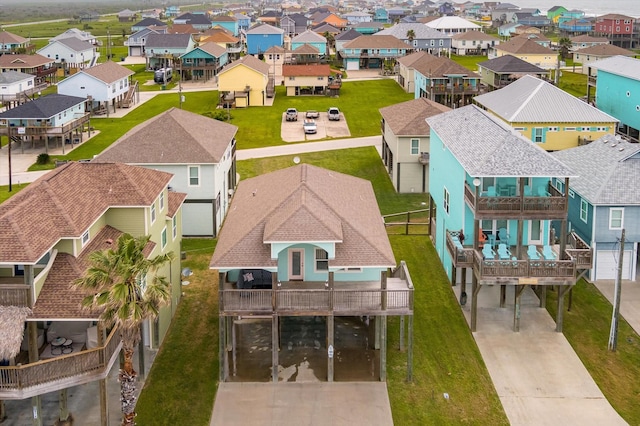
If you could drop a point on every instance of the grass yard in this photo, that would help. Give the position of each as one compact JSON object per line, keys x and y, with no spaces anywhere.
{"x":586,"y":327}
{"x":15,"y":188}
{"x":573,"y":83}
{"x":183,"y":378}
{"x":469,"y":62}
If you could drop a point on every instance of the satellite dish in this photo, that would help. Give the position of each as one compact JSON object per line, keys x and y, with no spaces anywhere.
{"x":296,"y":159}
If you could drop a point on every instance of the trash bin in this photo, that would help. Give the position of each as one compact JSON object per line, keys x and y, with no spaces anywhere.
{"x":163,"y":87}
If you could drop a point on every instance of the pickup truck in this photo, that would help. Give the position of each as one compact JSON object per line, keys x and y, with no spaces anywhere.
{"x":291,"y":114}
{"x":333,"y":114}
{"x":309,"y":126}
{"x":312,"y":114}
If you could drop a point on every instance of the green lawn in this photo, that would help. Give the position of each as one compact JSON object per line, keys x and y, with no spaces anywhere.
{"x":573,"y":83}
{"x":183,"y":377}
{"x":4,"y":190}
{"x":586,"y":327}
{"x":469,"y":62}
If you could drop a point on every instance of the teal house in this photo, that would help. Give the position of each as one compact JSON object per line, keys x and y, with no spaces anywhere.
{"x":381,"y":15}
{"x":493,"y":186}
{"x":229,"y":23}
{"x":371,"y":51}
{"x":618,"y":91}
{"x":311,"y":38}
{"x":204,"y":61}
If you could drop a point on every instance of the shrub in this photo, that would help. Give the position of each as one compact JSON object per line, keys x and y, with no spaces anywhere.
{"x":43,"y":158}
{"x":219,"y":114}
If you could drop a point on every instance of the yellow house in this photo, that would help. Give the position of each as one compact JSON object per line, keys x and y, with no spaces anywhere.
{"x":244,"y":82}
{"x":528,"y":51}
{"x":546,"y":114}
{"x":306,"y":79}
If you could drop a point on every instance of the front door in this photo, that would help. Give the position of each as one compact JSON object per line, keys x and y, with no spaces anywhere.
{"x":296,"y":264}
{"x":535,"y":232}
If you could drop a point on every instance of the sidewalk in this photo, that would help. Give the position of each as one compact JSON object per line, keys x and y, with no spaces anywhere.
{"x":629,"y":299}
{"x":538,"y":377}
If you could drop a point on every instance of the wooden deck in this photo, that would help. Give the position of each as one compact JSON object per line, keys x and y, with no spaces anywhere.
{"x":305,"y":298}
{"x":61,"y":372}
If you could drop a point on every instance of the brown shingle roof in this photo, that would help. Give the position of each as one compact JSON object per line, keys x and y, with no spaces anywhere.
{"x":409,"y":118}
{"x":175,"y":200}
{"x":24,"y":61}
{"x":173,"y":137}
{"x":522,"y":45}
{"x":376,"y":42}
{"x":8,"y":38}
{"x":182,"y":29}
{"x":409,"y":60}
{"x":66,"y":201}
{"x":306,"y":49}
{"x":213,"y":48}
{"x":303,"y":203}
{"x":109,"y":72}
{"x":251,"y":62}
{"x":440,"y":66}
{"x":604,"y":50}
{"x":219,"y":37}
{"x":306,"y":70}
{"x":58,"y":299}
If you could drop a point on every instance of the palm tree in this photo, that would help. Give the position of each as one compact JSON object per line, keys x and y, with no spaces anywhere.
{"x":565,"y":45}
{"x":411,"y":35}
{"x":124,"y":286}
{"x":330,"y":41}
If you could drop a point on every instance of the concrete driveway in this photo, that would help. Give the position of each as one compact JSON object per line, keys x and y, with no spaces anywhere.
{"x":309,"y":404}
{"x":539,"y":378}
{"x":629,"y":299}
{"x":292,"y":131}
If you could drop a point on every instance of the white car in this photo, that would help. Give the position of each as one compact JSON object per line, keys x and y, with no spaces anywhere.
{"x":309,"y":126}
{"x":333,"y":114}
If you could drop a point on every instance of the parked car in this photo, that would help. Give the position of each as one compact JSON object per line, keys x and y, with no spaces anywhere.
{"x":312,"y":114}
{"x":292,"y":114}
{"x":310,"y":126}
{"x":334,"y":114}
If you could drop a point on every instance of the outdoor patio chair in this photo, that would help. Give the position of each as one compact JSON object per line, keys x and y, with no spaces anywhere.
{"x":527,"y":191}
{"x":491,"y":191}
{"x":503,"y":235}
{"x":542,"y":192}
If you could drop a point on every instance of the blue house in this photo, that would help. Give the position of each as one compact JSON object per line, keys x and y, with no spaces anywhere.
{"x":171,"y":11}
{"x":445,"y":81}
{"x":310,"y":249}
{"x":424,"y":38}
{"x":263,"y":36}
{"x":603,"y":200}
{"x":311,"y":38}
{"x":617,"y":90}
{"x":244,"y":22}
{"x":493,"y":186}
{"x":580,"y":25}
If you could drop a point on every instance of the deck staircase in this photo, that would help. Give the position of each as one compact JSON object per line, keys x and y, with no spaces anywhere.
{"x":271,"y":86}
{"x":129,"y":98}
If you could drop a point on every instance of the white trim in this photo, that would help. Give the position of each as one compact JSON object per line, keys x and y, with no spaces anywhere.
{"x":585,"y":219}
{"x":152,"y":212}
{"x":174,"y":226}
{"x":316,"y":259}
{"x":289,"y":263}
{"x":199,"y":177}
{"x":85,"y":238}
{"x":163,"y":244}
{"x":621,"y":209}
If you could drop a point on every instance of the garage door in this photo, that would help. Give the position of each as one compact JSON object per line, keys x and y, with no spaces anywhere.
{"x":353,"y":66}
{"x":607,"y":264}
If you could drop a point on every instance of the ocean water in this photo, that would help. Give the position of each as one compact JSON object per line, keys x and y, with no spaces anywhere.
{"x":590,"y":7}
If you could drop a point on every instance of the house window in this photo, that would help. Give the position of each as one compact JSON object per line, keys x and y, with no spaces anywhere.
{"x":445,"y":200}
{"x":174,"y":226}
{"x":538,"y":134}
{"x":163,"y":237}
{"x":322,"y":260}
{"x":153,"y":212}
{"x":571,"y":193}
{"x":432,"y":43}
{"x":569,"y":129}
{"x":85,"y":238}
{"x":616,"y":218}
{"x":415,"y":146}
{"x":194,"y":176}
{"x":441,"y":43}
{"x":161,"y":201}
{"x":349,"y":270}
{"x":520,"y":129}
{"x":291,"y":78}
{"x":320,"y":78}
{"x":584,"y":210}
{"x":559,"y":185}
{"x":552,"y":129}
{"x":464,"y":42}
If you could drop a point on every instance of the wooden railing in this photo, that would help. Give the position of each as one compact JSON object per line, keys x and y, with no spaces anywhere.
{"x":461,"y":257}
{"x":529,"y":270}
{"x":441,"y":89}
{"x":420,"y":217}
{"x":14,"y":295}
{"x":33,"y":128}
{"x":514,"y":207}
{"x":24,"y":381}
{"x":579,"y":251}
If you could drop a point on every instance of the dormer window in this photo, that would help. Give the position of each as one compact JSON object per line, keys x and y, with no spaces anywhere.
{"x":85,"y":238}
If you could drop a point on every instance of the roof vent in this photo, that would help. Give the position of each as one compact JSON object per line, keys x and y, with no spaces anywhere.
{"x":613,"y":144}
{"x":621,"y":149}
{"x":108,"y":241}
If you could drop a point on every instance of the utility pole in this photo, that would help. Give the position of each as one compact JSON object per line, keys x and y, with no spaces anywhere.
{"x":613,"y":334}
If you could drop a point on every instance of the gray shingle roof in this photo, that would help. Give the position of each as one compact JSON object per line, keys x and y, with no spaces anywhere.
{"x":511,"y":64}
{"x":159,"y":41}
{"x":202,"y":140}
{"x":307,"y":204}
{"x":408,"y":118}
{"x":605,"y":50}
{"x":421,"y":32}
{"x":9,"y":77}
{"x":44,"y":107}
{"x":347,"y":35}
{"x":486,"y":146}
{"x":108,"y":72}
{"x":620,"y":65}
{"x":75,"y":44}
{"x":608,"y":171}
{"x":265,"y":29}
{"x":530,"y":99}
{"x":308,"y":37}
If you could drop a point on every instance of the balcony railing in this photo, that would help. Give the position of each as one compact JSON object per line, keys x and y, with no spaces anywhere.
{"x":519,"y":271}
{"x":317,"y":299}
{"x":461,"y":257}
{"x":61,"y":372}
{"x":579,"y":251}
{"x":441,"y":89}
{"x":14,"y":295}
{"x":34,"y":128}
{"x":553,"y":206}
